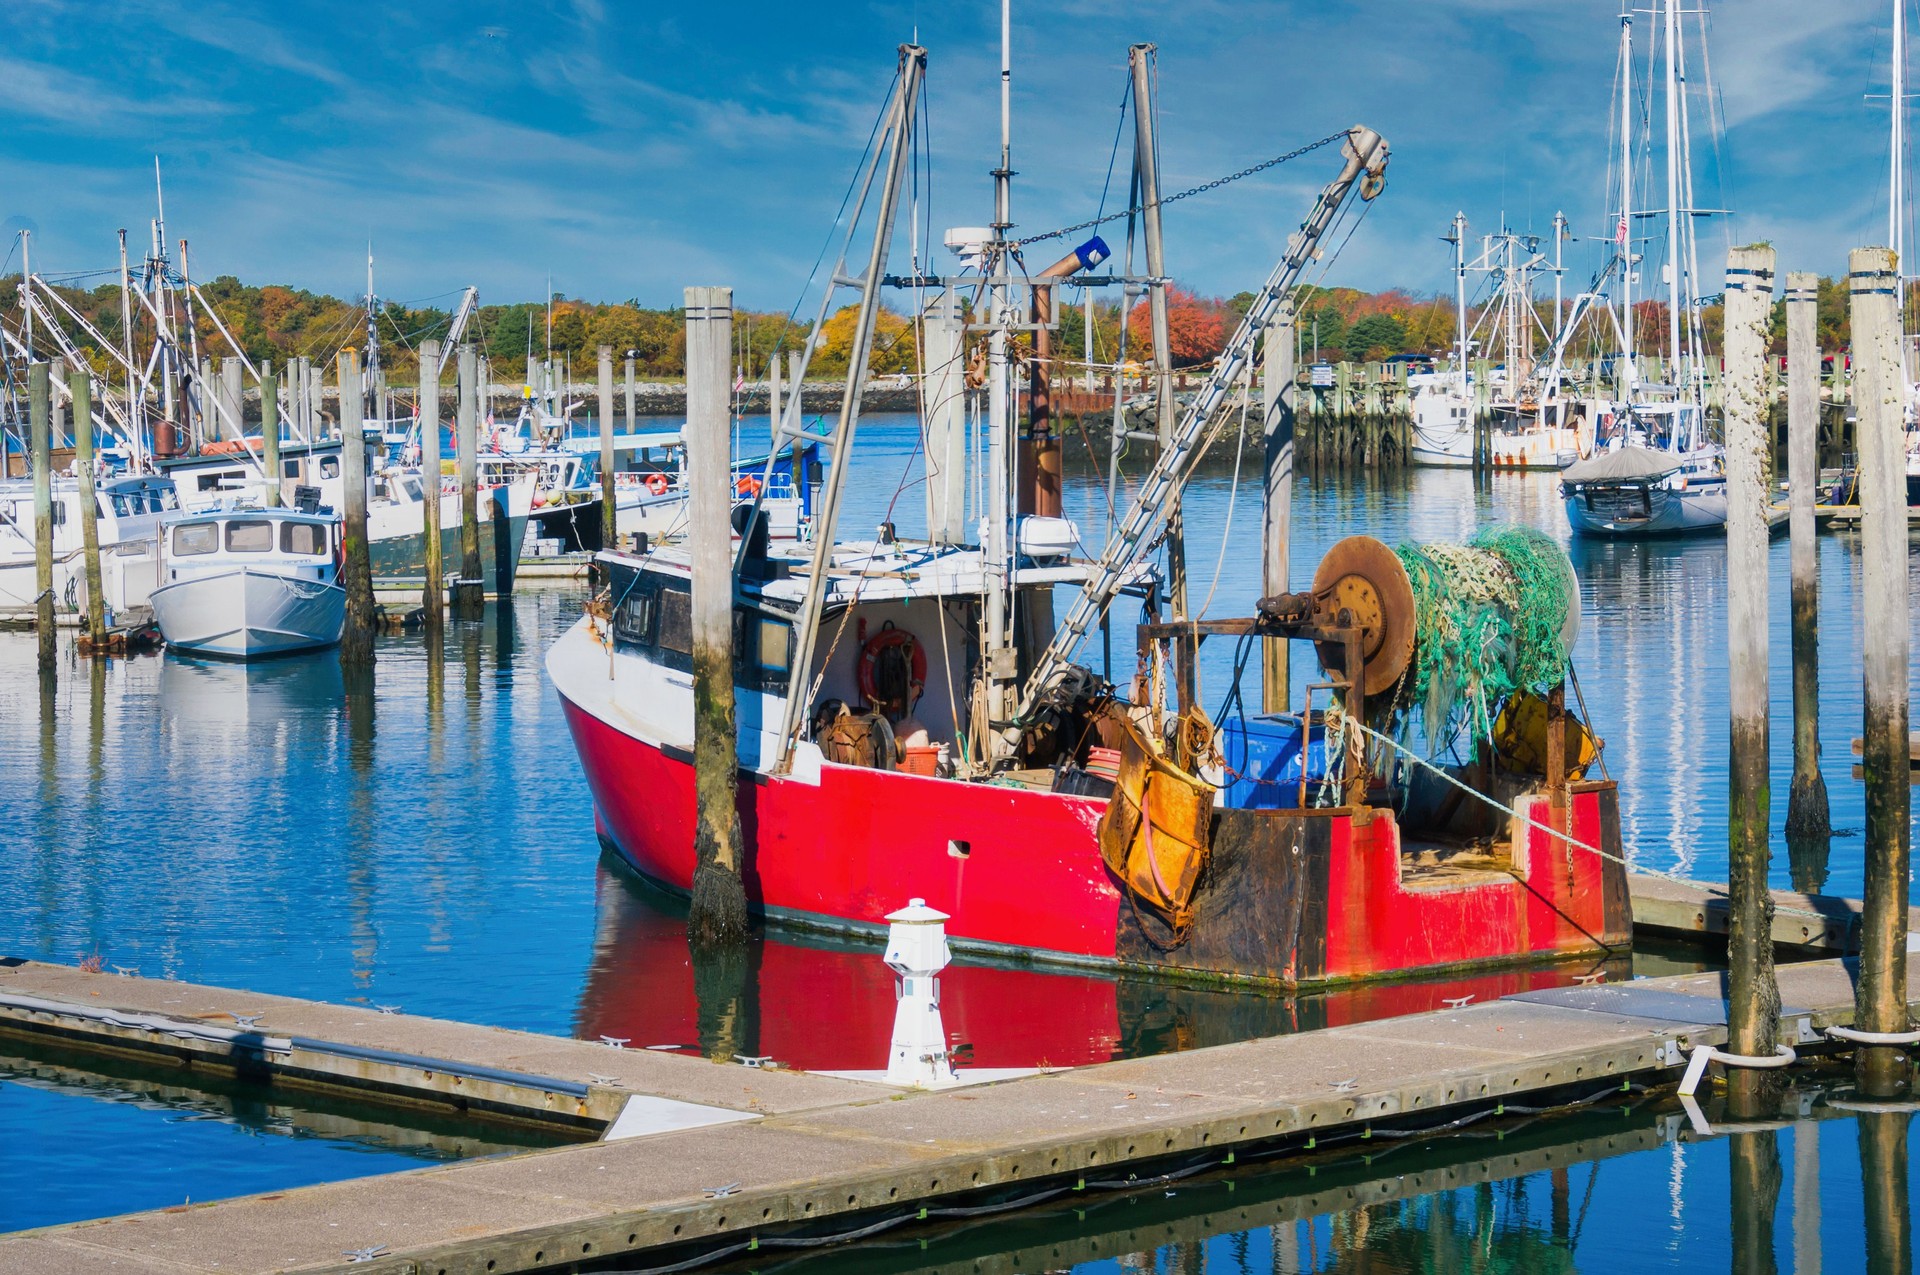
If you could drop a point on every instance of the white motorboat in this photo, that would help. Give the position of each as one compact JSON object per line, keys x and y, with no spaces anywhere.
{"x":250,"y":582}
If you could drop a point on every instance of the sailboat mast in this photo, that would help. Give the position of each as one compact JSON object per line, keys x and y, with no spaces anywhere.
{"x":1675,"y":153}
{"x":1000,"y":665}
{"x":1897,"y":185}
{"x":373,"y":344}
{"x":1624,"y":235}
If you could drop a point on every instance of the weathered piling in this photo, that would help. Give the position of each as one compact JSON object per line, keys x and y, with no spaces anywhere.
{"x":1808,"y":827}
{"x":1754,"y":1178}
{"x":946,"y":424}
{"x":609,"y":509}
{"x":1753,"y":995}
{"x":1882,"y":1138}
{"x":469,"y":595}
{"x":80,"y":385}
{"x":718,"y":915}
{"x":1277,"y":523}
{"x":433,"y":589}
{"x":631,"y":419}
{"x":270,"y":431}
{"x":356,"y":639}
{"x":39,"y":447}
{"x":1879,"y":383}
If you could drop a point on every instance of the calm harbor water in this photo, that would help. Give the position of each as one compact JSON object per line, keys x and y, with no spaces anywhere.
{"x":83,"y":1136}
{"x":426,"y":841}
{"x":1618,"y":1188}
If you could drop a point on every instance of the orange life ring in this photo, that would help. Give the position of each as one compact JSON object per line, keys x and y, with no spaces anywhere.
{"x":886,"y":639}
{"x":746,"y":485}
{"x":657,"y":483}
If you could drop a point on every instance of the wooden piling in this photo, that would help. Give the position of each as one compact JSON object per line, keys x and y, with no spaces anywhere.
{"x":1807,"y":810}
{"x":39,"y":447}
{"x":1879,"y":386}
{"x":469,"y":595}
{"x":1277,"y":386}
{"x":632,"y":425}
{"x":356,"y":639}
{"x":270,"y":431}
{"x":1754,"y":996}
{"x":609,"y":508}
{"x":946,"y":420}
{"x":80,"y":385}
{"x":433,"y":589}
{"x":718,"y":914}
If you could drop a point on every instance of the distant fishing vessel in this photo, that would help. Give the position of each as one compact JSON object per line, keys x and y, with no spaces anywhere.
{"x":249,"y":582}
{"x":1529,"y":426}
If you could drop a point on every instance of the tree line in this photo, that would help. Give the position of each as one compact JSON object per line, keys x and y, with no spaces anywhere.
{"x":276,"y":322}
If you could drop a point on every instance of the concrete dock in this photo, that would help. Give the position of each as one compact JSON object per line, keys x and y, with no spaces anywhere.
{"x":745,"y":1156}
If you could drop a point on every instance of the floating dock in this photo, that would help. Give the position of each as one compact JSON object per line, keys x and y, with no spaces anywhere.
{"x":698,"y":1156}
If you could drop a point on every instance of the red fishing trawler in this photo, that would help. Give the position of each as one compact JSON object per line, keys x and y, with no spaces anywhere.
{"x":912,"y":723}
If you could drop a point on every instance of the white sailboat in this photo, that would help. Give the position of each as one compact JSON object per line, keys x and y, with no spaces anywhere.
{"x":1654,"y":470}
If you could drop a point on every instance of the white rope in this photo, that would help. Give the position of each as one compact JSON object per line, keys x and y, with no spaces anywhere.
{"x":1552,"y":831}
{"x":1859,"y":1037}
{"x":1783,"y":1056}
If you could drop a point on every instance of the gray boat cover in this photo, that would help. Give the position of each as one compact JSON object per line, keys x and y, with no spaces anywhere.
{"x":1627,"y":465}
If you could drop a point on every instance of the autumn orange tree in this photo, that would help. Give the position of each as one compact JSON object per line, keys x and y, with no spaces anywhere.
{"x":1197,"y":327}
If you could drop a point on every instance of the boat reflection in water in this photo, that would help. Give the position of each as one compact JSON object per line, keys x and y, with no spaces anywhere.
{"x":818,"y":1003}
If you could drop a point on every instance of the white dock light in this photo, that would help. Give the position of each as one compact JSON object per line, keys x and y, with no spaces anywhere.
{"x":916,"y":952}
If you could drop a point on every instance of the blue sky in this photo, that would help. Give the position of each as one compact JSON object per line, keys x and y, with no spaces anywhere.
{"x":630,"y":149}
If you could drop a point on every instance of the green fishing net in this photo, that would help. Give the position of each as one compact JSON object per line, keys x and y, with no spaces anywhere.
{"x":1492,"y":616}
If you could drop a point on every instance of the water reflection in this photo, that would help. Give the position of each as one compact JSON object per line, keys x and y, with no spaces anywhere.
{"x":1624,"y":1186}
{"x":821,"y":1003}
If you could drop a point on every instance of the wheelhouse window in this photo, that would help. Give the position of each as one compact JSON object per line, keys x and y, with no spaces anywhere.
{"x":633,"y":621}
{"x":289,"y":469}
{"x":309,"y":538}
{"x":251,"y":535}
{"x":329,"y":466}
{"x":196,"y":538}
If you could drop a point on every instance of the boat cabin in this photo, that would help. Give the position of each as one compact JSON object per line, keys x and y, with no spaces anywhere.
{"x":286,"y":542}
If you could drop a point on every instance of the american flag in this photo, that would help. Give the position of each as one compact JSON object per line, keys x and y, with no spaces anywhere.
{"x":1620,"y":232}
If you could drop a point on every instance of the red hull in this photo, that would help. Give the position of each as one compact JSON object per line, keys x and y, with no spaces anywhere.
{"x":1019,"y":871}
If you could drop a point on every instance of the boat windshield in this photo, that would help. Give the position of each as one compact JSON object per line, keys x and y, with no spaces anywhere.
{"x":308,"y":538}
{"x":194,"y":538}
{"x":253,"y":535}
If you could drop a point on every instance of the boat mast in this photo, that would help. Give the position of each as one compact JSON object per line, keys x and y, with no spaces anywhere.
{"x":1897,"y":187}
{"x":1624,"y":234}
{"x":1146,"y":161}
{"x":1000,"y":663}
{"x":1675,"y":153}
{"x":1460,"y":298}
{"x":1559,"y":238}
{"x":373,"y":345}
{"x":136,"y":403}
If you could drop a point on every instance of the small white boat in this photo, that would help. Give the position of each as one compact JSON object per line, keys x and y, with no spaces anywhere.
{"x":250,"y":582}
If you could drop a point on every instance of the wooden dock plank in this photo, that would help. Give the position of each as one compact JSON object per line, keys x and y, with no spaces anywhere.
{"x":1818,"y":921}
{"x":822,"y":1160}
